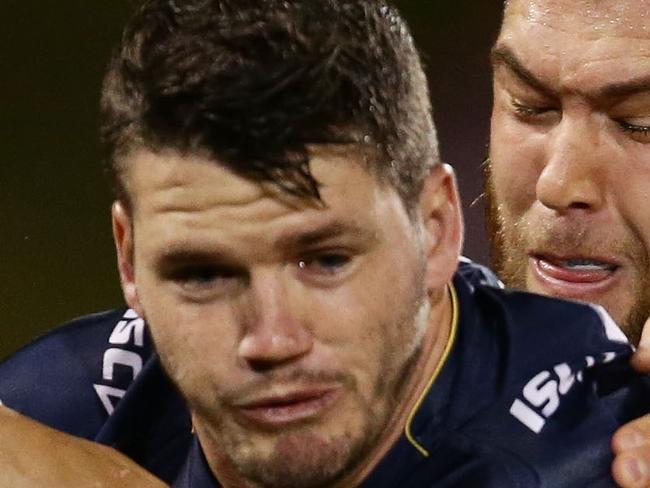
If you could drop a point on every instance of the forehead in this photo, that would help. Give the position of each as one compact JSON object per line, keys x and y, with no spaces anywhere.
{"x":590,"y":19}
{"x":195,"y":204}
{"x":580,"y":40}
{"x":171,"y":183}
{"x":598,"y":13}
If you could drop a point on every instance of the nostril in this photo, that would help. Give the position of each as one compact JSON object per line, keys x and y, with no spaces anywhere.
{"x":579,"y":206}
{"x":266,"y":365}
{"x":260,"y":365}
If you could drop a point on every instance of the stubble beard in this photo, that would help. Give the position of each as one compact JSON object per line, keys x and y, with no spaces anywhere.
{"x":303,"y":458}
{"x":510,"y":261}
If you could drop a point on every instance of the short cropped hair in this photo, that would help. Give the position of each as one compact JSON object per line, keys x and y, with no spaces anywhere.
{"x":254,"y":82}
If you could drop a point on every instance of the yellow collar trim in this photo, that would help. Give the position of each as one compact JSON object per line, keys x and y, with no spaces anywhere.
{"x":443,"y":360}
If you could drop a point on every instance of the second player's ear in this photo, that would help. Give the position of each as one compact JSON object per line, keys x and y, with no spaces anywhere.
{"x":123,"y":237}
{"x":443,"y":225}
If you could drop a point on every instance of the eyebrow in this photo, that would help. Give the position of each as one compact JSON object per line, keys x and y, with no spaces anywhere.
{"x":504,"y":56}
{"x":323,"y":233}
{"x":182,"y":253}
{"x":626,"y":88}
{"x":176,"y":255}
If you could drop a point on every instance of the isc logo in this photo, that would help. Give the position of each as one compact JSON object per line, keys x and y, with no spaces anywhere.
{"x":129,"y":332}
{"x":542,"y":395}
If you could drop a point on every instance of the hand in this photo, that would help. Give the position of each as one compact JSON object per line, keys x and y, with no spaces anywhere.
{"x":35,"y":456}
{"x":631,"y":443}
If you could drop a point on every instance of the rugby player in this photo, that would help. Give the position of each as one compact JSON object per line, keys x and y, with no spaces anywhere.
{"x":285,"y":226}
{"x":569,"y":166}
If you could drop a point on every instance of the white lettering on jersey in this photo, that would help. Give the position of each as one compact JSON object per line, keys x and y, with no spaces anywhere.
{"x":105,"y":392}
{"x":566,"y":376}
{"x":113,"y":357}
{"x":527,"y":416}
{"x":542,"y":392}
{"x":542,"y":395}
{"x":129,"y":331}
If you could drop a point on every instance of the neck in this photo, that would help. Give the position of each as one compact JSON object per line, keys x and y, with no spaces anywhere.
{"x":434,"y":344}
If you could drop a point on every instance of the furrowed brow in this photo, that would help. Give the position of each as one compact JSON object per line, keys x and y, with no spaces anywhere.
{"x":625,"y":88}
{"x":504,"y":56}
{"x":322,"y":234}
{"x":174,"y":256}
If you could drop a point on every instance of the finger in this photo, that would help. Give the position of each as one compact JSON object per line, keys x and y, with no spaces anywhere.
{"x":641,"y":358}
{"x":632,"y":468}
{"x":632,"y":435}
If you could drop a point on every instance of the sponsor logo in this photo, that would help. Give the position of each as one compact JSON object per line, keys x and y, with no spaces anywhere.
{"x":542,"y":395}
{"x":127,"y":336}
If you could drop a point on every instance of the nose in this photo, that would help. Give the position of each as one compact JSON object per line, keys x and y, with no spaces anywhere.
{"x":573,"y":173}
{"x":275,"y":331}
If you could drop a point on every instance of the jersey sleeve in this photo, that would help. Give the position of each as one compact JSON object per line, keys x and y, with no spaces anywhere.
{"x":72,"y":377}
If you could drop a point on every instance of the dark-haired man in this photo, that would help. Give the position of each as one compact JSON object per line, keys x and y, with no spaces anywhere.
{"x":284,"y":224}
{"x":569,"y":165}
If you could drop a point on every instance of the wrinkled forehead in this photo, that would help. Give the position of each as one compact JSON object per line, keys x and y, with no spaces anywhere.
{"x":578,"y":45}
{"x":622,"y":16}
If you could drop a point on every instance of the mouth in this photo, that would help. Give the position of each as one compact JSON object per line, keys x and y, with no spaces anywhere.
{"x":276,"y":411}
{"x":575,"y":276}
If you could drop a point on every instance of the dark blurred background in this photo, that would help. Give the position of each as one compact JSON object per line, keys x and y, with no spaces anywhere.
{"x":56,"y":247}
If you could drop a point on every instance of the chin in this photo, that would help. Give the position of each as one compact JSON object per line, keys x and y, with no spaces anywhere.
{"x":304,"y":459}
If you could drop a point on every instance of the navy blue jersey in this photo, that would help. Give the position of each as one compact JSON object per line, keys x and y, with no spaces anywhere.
{"x":528,"y":395}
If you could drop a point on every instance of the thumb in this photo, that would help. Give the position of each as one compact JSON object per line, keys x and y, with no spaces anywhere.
{"x":641,"y":358}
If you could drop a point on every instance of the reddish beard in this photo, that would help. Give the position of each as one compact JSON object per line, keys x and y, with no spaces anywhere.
{"x":509,"y":258}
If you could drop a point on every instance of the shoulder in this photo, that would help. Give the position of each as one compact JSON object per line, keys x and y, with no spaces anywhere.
{"x":477,"y":273}
{"x":533,"y":330}
{"x":69,"y":373}
{"x":561,"y":385}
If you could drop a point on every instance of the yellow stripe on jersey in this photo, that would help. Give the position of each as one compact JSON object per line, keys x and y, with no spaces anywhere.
{"x":441,"y":363}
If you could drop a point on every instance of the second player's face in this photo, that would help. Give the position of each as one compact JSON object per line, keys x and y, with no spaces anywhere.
{"x":570,"y":152}
{"x":288,"y":328}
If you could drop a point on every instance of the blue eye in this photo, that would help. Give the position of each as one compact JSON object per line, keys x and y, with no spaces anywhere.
{"x":203,"y":276}
{"x":326,"y":263}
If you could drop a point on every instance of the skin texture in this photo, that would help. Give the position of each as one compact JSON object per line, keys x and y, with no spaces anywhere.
{"x":570,"y":152}
{"x":569,"y":170}
{"x":57,"y":460}
{"x":292,"y":328}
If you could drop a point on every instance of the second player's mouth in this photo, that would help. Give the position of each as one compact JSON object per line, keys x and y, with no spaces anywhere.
{"x":575,"y":270}
{"x":574,"y":277}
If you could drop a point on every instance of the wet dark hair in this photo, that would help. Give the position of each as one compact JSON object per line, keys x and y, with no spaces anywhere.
{"x":253,"y":82}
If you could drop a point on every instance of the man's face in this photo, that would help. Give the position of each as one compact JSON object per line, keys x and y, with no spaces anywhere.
{"x":289,"y":328}
{"x":570,"y":152}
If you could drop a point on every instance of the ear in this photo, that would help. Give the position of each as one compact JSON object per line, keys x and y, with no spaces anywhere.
{"x":123,"y":237}
{"x":443,"y":225}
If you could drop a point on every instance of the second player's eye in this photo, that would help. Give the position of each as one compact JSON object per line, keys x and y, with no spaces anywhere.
{"x":639,"y":130}
{"x":530,"y":113}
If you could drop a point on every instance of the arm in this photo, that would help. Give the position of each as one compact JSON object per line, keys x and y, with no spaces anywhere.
{"x":631,"y":443}
{"x":35,"y":456}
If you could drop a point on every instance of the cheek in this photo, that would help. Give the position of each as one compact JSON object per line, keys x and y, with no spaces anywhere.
{"x":516,"y":161}
{"x":632,"y":195}
{"x":195,"y":343}
{"x":371,"y":320}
